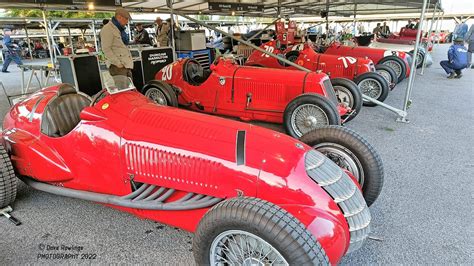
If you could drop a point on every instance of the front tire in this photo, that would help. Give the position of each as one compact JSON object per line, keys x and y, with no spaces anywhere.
{"x":307,"y":112}
{"x":161,"y":93}
{"x":352,"y":152}
{"x":397,"y":64}
{"x":373,"y":85}
{"x":348,"y":94}
{"x":388,"y":74}
{"x":241,"y":231}
{"x":7,"y":179}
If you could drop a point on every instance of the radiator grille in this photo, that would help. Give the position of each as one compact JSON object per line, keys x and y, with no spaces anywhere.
{"x":330,"y":91}
{"x":344,"y":192}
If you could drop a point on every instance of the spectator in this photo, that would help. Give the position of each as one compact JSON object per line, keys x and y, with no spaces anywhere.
{"x":469,"y":38}
{"x":377,"y":30}
{"x":10,"y":51}
{"x":172,"y":31}
{"x":162,"y":30}
{"x":385,"y":30}
{"x":417,"y":24}
{"x":457,"y":59}
{"x":114,"y":41}
{"x":410,"y":24}
{"x":460,"y":30}
{"x":142,"y":35}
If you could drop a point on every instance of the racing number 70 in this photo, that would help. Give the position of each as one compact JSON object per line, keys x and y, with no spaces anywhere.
{"x":269,"y":49}
{"x":346,"y":60}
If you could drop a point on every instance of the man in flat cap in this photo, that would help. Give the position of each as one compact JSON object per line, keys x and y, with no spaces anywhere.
{"x":114,"y":42}
{"x":9,"y":51}
{"x":162,"y":29}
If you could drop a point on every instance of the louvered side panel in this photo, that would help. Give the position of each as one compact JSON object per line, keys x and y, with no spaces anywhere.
{"x":261,"y":91}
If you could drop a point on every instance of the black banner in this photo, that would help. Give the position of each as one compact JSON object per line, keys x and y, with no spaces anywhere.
{"x":66,"y":2}
{"x":216,"y":6}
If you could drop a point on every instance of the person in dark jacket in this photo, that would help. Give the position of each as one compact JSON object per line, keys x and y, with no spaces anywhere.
{"x":469,"y":38}
{"x":10,"y":51}
{"x":457,"y":59}
{"x":142,"y":36}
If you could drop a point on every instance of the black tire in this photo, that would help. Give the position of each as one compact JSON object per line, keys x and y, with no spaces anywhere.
{"x":382,"y":89}
{"x":7,"y":179}
{"x":312,"y":100}
{"x":348,"y":93}
{"x":277,"y":227}
{"x":419,"y":59}
{"x":336,"y":142}
{"x":166,"y":90}
{"x":388,"y":74}
{"x":392,"y":59}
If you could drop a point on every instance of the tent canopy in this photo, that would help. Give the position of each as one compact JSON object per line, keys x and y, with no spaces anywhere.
{"x":253,"y":8}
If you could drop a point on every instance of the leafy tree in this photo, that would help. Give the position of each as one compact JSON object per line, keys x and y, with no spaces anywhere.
{"x":35,"y":13}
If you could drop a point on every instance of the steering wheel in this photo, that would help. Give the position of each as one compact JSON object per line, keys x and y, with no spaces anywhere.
{"x":99,"y":96}
{"x":193,"y":72}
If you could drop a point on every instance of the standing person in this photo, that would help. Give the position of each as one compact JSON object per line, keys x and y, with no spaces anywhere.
{"x":457,"y":59}
{"x":469,"y":38}
{"x":385,"y":30}
{"x":114,"y":41}
{"x":142,"y":35}
{"x":377,"y":30}
{"x":162,"y":30}
{"x":10,"y":51}
{"x":172,"y":32}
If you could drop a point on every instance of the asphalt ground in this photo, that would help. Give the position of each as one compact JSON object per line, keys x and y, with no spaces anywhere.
{"x":423,"y":216}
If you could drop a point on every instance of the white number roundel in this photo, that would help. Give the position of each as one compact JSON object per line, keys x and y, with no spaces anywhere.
{"x":167,"y":72}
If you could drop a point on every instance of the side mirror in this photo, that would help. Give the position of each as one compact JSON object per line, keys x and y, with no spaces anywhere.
{"x":90,"y":113}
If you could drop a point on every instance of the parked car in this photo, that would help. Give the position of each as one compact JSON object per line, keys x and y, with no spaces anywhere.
{"x":300,"y":101}
{"x":233,"y":184}
{"x":362,"y":71}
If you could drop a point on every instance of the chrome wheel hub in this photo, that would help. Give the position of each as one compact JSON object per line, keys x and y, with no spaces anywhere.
{"x":307,"y":117}
{"x":344,"y":96}
{"x":236,"y":247}
{"x":395,"y":66}
{"x":371,"y":88}
{"x":156,"y":95}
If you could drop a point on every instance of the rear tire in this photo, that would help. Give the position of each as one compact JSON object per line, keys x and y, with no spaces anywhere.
{"x":242,"y":223}
{"x":307,"y":112}
{"x":7,"y":179}
{"x":388,"y":74}
{"x":397,"y":64}
{"x":352,"y":152}
{"x":348,"y":94}
{"x":373,"y":85}
{"x":161,"y":93}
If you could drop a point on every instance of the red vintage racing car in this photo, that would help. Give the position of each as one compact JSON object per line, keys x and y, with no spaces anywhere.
{"x":233,"y":184}
{"x":398,"y":61}
{"x":361,"y":70}
{"x":301,"y":101}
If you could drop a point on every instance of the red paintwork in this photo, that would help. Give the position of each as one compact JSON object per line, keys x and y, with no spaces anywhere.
{"x":271,"y":90}
{"x":441,"y":37}
{"x":334,"y":66}
{"x":374,"y":54}
{"x":122,"y":134}
{"x":406,"y":36}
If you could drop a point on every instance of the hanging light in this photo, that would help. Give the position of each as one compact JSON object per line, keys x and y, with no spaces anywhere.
{"x":233,"y":13}
{"x":90,"y":6}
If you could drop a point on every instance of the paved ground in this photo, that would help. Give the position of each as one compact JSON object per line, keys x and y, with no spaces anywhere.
{"x":424,"y":214}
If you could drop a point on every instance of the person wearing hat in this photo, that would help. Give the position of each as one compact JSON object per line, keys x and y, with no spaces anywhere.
{"x":142,"y":36}
{"x":469,"y":38}
{"x":114,"y":42}
{"x":9,"y":51}
{"x":457,"y":59}
{"x":162,"y":30}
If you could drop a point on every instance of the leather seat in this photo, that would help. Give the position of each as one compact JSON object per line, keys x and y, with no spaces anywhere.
{"x":61,"y":114}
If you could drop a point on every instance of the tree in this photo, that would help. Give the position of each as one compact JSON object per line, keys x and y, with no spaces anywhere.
{"x":35,"y":13}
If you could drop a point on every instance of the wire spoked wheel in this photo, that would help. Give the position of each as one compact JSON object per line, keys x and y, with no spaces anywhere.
{"x":371,"y":87}
{"x":344,"y":96}
{"x":395,"y":66}
{"x":344,"y":158}
{"x":307,"y":117}
{"x":236,"y":247}
{"x":156,"y":95}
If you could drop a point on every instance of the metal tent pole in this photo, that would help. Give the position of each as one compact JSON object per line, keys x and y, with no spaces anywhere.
{"x":393,"y":109}
{"x":46,"y":28}
{"x":407,"y":102}
{"x":439,"y":25}
{"x":354,"y":29}
{"x":262,"y":30}
{"x":28,"y":40}
{"x":327,"y":20}
{"x":70,"y":40}
{"x":96,"y":43}
{"x":173,"y":45}
{"x":423,"y":66}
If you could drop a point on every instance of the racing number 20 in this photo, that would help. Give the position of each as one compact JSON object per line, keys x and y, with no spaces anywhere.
{"x":167,"y":72}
